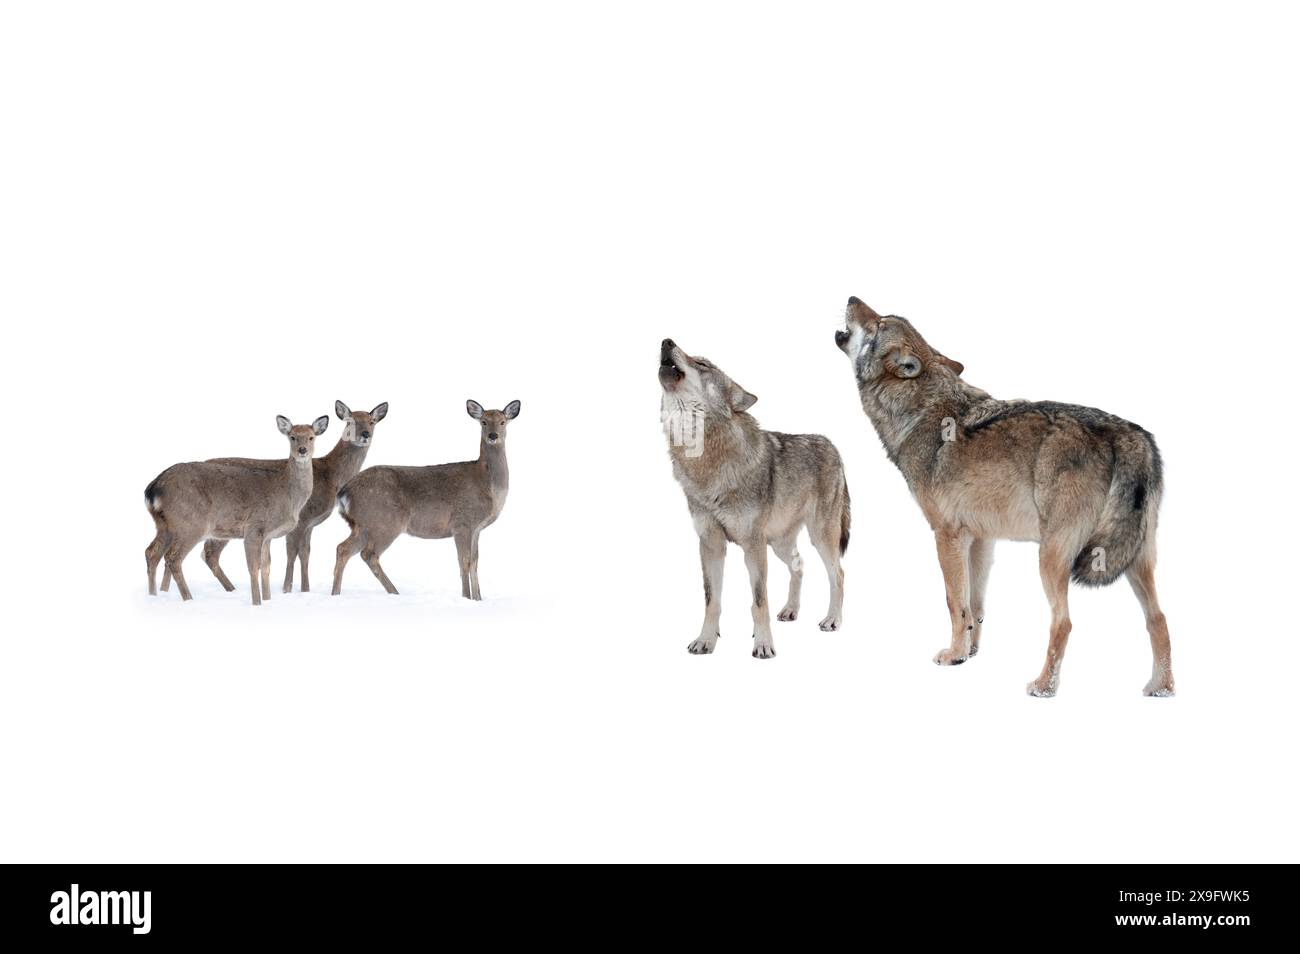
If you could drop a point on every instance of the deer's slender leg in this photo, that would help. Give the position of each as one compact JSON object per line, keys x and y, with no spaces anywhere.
{"x":152,"y":555}
{"x":253,"y":555}
{"x":304,"y":557}
{"x":212,"y":550}
{"x":292,"y":542}
{"x":176,"y":553}
{"x":265,"y":563}
{"x":463,"y":559}
{"x":345,"y":552}
{"x":473,"y":567}
{"x":371,"y":553}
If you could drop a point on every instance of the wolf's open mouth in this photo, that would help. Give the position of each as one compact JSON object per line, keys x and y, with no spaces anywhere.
{"x":668,"y":370}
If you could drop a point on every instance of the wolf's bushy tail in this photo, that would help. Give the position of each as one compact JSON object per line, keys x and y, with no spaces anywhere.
{"x":1128,"y":515}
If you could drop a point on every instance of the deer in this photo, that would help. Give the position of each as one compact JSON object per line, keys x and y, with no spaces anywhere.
{"x":445,"y":500}
{"x":329,"y":473}
{"x":231,"y":499}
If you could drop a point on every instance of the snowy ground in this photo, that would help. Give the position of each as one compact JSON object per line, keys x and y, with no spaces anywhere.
{"x":424,"y":726}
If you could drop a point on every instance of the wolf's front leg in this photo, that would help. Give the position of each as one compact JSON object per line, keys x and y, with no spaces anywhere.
{"x":980,"y":563}
{"x":756,"y":563}
{"x":713,"y":553}
{"x":953,"y":546}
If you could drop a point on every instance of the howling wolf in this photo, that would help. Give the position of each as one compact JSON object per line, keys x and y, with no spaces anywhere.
{"x":1083,"y":483}
{"x":753,"y":487}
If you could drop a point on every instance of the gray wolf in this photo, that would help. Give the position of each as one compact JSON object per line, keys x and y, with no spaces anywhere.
{"x":1084,"y":484}
{"x":445,"y":500}
{"x":752,"y":487}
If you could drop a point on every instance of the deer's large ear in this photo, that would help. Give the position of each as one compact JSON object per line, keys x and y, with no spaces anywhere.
{"x":512,"y":410}
{"x":318,"y":426}
{"x":284,"y":424}
{"x":474,"y":409}
{"x":342,"y":411}
{"x":380,"y":412}
{"x":739,"y":398}
{"x":902,"y":363}
{"x":956,"y":367}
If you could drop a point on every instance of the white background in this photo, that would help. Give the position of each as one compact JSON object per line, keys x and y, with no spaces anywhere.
{"x":213,"y":214}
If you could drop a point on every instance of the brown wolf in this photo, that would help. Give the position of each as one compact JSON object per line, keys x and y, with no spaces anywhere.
{"x":1083,"y":483}
{"x":753,"y":487}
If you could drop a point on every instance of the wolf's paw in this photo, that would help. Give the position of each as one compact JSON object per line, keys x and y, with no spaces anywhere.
{"x":763,"y":649}
{"x":830,"y":624}
{"x":702,"y":647}
{"x":1160,"y":688}
{"x":949,"y":657}
{"x":1041,"y":689}
{"x":789,"y":614}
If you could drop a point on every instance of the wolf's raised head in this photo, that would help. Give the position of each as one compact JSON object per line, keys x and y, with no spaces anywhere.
{"x":698,"y":383}
{"x":888,"y":352}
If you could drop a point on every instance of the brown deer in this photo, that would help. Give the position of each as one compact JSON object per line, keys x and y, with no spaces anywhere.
{"x":255,"y":501}
{"x":329,"y":473}
{"x":446,"y":500}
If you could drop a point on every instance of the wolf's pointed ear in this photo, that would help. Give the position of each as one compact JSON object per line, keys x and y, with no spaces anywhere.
{"x":380,"y":412}
{"x":740,"y":399}
{"x":318,"y":426}
{"x":902,"y":363}
{"x":474,"y":409}
{"x":956,"y":367}
{"x":342,"y":410}
{"x":284,"y":424}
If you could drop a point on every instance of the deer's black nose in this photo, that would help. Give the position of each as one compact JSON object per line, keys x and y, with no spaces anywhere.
{"x":492,"y":436}
{"x":365,"y":434}
{"x":302,"y":450}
